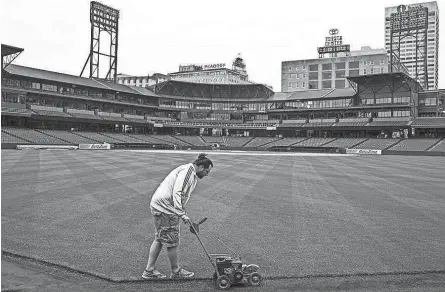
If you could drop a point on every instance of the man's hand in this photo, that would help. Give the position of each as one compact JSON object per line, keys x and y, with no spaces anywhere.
{"x":185,"y":219}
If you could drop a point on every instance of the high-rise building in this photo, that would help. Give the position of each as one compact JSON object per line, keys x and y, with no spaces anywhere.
{"x":412,"y":40}
{"x":331,"y":72}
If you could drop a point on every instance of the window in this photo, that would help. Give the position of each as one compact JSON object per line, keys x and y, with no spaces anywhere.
{"x":326,"y":75}
{"x":340,"y":66}
{"x":353,"y":73}
{"x":303,"y":84}
{"x":313,"y":76}
{"x":372,"y":70}
{"x":290,"y":68}
{"x":384,"y":114}
{"x":327,"y":66}
{"x":371,"y":62}
{"x":313,"y":84}
{"x":313,"y":67}
{"x":340,"y":74}
{"x":327,"y":84}
{"x":382,"y":70}
{"x":400,"y":113}
{"x":430,"y":101}
{"x":339,"y":83}
{"x":354,"y":65}
{"x":364,"y":71}
{"x":365,"y":62}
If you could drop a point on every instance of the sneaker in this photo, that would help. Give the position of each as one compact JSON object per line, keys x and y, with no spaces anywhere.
{"x":153,"y":274}
{"x":181,"y":274}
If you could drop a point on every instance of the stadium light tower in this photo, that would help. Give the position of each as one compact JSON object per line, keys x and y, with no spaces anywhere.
{"x":103,"y":19}
{"x":410,"y":25}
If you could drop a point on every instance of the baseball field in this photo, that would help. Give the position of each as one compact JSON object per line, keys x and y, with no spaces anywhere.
{"x":293,"y":215}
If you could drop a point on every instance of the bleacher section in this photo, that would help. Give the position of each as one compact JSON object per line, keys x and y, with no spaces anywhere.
{"x":237,"y":141}
{"x":97,"y":137}
{"x":414,"y":145}
{"x":149,"y":139}
{"x":33,"y":136}
{"x":70,"y":137}
{"x":440,"y":147}
{"x":213,"y":139}
{"x":283,"y":142}
{"x":171,"y":140}
{"x":345,"y":142}
{"x":193,"y":140}
{"x":313,"y":142}
{"x":260,"y":141}
{"x":122,"y":138}
{"x":7,"y":138}
{"x":377,"y":144}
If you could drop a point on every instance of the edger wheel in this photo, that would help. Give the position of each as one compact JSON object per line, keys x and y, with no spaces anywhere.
{"x":223,"y":282}
{"x":255,"y":279}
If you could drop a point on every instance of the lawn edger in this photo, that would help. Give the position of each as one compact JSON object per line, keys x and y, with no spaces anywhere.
{"x":228,"y":269}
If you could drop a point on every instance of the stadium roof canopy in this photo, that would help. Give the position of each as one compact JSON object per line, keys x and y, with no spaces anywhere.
{"x":217,"y":91}
{"x":385,"y":78}
{"x":9,"y":53}
{"x":73,"y":80}
{"x":9,"y":50}
{"x":313,"y":94}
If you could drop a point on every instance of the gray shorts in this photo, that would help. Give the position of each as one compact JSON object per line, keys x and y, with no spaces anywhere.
{"x":166,"y":228}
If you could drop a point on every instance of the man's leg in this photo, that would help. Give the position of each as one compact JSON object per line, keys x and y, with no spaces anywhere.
{"x":155,"y":249}
{"x":172,"y":253}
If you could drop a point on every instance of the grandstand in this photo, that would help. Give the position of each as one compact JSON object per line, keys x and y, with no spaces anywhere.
{"x":40,"y":106}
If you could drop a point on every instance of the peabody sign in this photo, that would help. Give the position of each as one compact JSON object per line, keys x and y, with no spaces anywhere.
{"x":214,"y":66}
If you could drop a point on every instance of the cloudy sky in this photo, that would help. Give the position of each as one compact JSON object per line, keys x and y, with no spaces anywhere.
{"x":158,"y":36}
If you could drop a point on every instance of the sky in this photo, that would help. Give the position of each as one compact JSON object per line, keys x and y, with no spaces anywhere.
{"x":158,"y":36}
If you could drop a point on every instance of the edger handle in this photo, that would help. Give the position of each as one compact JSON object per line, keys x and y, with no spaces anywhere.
{"x":202,"y":220}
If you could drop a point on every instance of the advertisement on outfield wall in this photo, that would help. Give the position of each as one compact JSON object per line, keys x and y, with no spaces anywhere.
{"x":104,"y":146}
{"x":364,"y":151}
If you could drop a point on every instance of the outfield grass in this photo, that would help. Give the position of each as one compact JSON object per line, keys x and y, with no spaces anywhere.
{"x":291,"y":215}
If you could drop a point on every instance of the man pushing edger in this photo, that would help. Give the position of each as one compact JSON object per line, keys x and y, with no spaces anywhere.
{"x":167,"y":206}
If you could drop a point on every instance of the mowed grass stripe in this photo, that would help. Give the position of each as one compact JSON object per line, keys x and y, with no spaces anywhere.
{"x":416,"y":228}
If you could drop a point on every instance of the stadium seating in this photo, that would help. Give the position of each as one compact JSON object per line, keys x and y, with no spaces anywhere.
{"x":283,"y":142}
{"x":193,"y":140}
{"x":149,"y":139}
{"x":344,"y":142}
{"x":67,"y":136}
{"x":260,"y":141}
{"x":171,"y":140}
{"x":97,"y":137}
{"x":7,"y":138}
{"x":213,"y":139}
{"x":414,"y":145}
{"x":377,"y":144}
{"x":33,"y":136}
{"x":439,"y":147}
{"x":313,"y":142}
{"x":122,"y":138}
{"x":237,"y":141}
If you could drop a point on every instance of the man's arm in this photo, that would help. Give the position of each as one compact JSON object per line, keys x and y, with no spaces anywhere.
{"x":181,"y":183}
